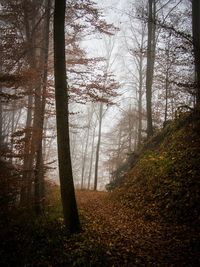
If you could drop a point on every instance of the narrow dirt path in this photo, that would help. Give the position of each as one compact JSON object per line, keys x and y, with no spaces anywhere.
{"x":130,"y":240}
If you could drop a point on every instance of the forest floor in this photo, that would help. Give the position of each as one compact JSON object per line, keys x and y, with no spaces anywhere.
{"x":130,"y":240}
{"x":112,"y":236}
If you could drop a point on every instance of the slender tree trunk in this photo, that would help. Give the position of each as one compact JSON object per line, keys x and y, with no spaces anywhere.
{"x":140,"y":99}
{"x":166,"y":100}
{"x":39,"y":173}
{"x":84,"y":158}
{"x":26,"y":194}
{"x":70,"y":211}
{"x":98,"y":146}
{"x":136,"y":136}
{"x":141,"y":78}
{"x":38,"y":62}
{"x":91,"y":159}
{"x":167,"y":82}
{"x":26,"y":164}
{"x":196,"y":40}
{"x":129,"y":130}
{"x":1,"y":121}
{"x":90,"y":114}
{"x":38,"y":183}
{"x":45,"y":143}
{"x":166,"y":94}
{"x":73,"y":146}
{"x":12,"y":130}
{"x":150,"y":65}
{"x":1,"y":113}
{"x":119,"y":146}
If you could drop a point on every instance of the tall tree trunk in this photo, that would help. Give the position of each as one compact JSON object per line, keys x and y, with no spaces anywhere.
{"x":166,"y":87}
{"x":12,"y":129}
{"x":119,"y":146}
{"x":26,"y":165}
{"x":70,"y":211}
{"x":98,"y":147}
{"x":84,"y":158}
{"x":196,"y":40}
{"x":25,"y":196}
{"x":166,"y":97}
{"x":1,"y":113}
{"x":150,"y":65}
{"x":39,"y":182}
{"x":129,"y":130}
{"x":91,"y":159}
{"x":33,"y":170}
{"x":39,"y":173}
{"x":90,"y":114}
{"x":1,"y":121}
{"x":140,"y":97}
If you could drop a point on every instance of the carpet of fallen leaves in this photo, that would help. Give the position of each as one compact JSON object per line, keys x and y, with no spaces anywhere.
{"x":130,"y":240}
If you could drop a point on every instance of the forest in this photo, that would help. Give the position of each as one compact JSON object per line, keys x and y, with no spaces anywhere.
{"x":99,"y":133}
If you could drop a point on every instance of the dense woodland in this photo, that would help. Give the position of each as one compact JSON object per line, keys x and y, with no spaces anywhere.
{"x":99,"y":133}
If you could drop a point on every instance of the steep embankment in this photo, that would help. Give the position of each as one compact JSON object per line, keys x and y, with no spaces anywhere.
{"x":165,"y":181}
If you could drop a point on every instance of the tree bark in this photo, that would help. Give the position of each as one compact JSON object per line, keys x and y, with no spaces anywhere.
{"x":167,"y":84}
{"x":90,"y":114}
{"x":150,"y":65}
{"x":25,"y":196}
{"x":39,"y":170}
{"x":91,"y":158}
{"x":1,"y":121}
{"x":70,"y":211}
{"x":84,"y":157}
{"x":140,"y":97}
{"x":196,"y":40}
{"x":98,"y":147}
{"x":26,"y":165}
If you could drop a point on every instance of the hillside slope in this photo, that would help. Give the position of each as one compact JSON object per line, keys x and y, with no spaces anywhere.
{"x":165,"y":180}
